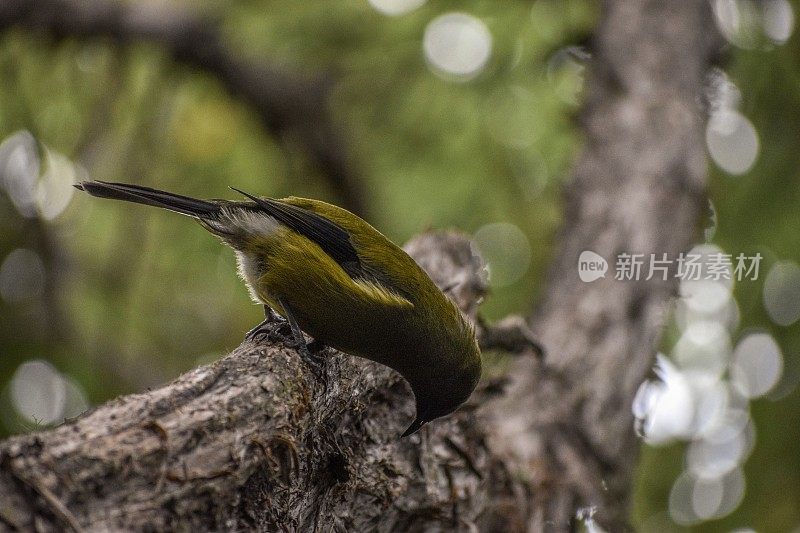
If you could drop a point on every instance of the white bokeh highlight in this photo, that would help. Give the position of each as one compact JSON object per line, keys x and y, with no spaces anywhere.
{"x":704,"y":346}
{"x":42,"y":395}
{"x":738,"y":21}
{"x":54,"y":190}
{"x":693,"y":500}
{"x":757,"y":365}
{"x":732,"y":141}
{"x":19,"y":171}
{"x":778,"y":20}
{"x":703,"y":391}
{"x":711,"y":458}
{"x":749,"y":23}
{"x":707,"y":296}
{"x":663,"y":407}
{"x":35,"y":194}
{"x":781,"y":294}
{"x":457,"y":46}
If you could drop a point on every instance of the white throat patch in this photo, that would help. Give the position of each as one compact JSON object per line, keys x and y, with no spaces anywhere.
{"x":250,"y":269}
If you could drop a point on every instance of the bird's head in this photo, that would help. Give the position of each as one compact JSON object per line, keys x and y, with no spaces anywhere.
{"x":438,"y":394}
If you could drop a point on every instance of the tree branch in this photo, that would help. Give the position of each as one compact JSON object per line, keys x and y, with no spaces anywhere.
{"x":254,"y":440}
{"x":285,"y":103}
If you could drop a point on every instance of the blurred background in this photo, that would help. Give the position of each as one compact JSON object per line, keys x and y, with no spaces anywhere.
{"x":452,"y":115}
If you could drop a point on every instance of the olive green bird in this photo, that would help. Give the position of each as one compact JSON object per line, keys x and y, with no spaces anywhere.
{"x":335,"y":277}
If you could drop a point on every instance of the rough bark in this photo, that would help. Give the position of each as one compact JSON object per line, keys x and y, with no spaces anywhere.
{"x":255,"y":441}
{"x":288,"y":105}
{"x":637,"y":188}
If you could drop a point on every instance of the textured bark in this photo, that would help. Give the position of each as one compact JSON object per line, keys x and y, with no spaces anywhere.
{"x":255,"y":440}
{"x":637,"y":188}
{"x":288,"y":105}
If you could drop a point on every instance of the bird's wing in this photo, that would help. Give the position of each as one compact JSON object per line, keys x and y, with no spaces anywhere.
{"x":332,"y":238}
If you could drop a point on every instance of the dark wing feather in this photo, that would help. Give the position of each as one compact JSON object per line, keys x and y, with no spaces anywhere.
{"x":333,"y":240}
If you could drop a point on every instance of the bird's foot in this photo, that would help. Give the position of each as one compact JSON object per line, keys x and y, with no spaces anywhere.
{"x":256,"y":334}
{"x":269,"y":327}
{"x":315,"y":362}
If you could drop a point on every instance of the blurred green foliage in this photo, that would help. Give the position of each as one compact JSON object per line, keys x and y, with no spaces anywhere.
{"x":134,"y":296}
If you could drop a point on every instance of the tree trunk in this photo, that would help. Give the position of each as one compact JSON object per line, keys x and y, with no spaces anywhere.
{"x":638,"y":188}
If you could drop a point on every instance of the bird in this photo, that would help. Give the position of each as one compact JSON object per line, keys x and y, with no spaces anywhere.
{"x":332,"y":275}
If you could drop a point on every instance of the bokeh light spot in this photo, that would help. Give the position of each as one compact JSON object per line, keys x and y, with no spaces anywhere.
{"x":19,"y":170}
{"x":693,"y":500}
{"x":757,"y":364}
{"x":681,"y":508}
{"x":54,"y":191}
{"x":457,"y":46}
{"x":732,"y":141}
{"x":664,"y":407}
{"x":778,"y":20}
{"x":738,"y":21}
{"x":721,"y":92}
{"x":708,"y":459}
{"x":39,"y":392}
{"x":782,"y":293}
{"x":706,"y":497}
{"x":704,"y":346}
{"x":704,"y":294}
{"x":506,"y":250}
{"x":712,"y":406}
{"x":733,"y":485}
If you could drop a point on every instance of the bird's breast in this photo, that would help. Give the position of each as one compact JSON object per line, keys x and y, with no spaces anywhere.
{"x":251,"y":268}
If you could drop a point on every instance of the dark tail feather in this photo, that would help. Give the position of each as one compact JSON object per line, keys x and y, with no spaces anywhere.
{"x":147,"y":196}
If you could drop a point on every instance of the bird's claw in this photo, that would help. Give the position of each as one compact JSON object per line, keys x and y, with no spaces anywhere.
{"x":264,"y":330}
{"x":270,"y":326}
{"x":258,"y":333}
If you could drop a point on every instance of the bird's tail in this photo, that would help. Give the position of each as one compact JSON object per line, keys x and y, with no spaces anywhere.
{"x":147,"y":196}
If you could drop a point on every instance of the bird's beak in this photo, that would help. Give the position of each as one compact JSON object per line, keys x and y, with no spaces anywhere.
{"x":414,"y":427}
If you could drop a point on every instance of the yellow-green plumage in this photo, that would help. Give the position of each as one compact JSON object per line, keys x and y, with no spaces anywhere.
{"x":353,"y":290}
